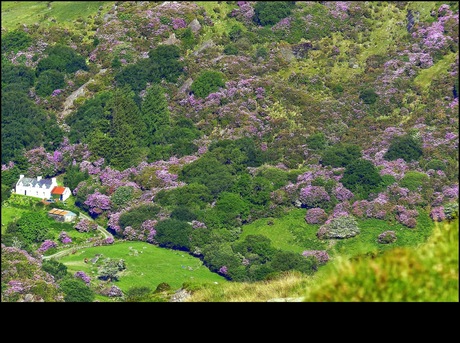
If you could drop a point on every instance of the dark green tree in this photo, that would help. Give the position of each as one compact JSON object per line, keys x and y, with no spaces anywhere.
{"x":271,"y":12}
{"x":15,"y":40}
{"x":316,"y":141}
{"x":75,"y":290}
{"x":256,"y":247}
{"x":340,"y":155}
{"x":173,"y":234}
{"x":361,"y":175}
{"x":405,"y":147}
{"x":32,"y":227}
{"x":287,"y":260}
{"x":73,"y":176}
{"x":183,"y":213}
{"x":137,"y":215}
{"x":155,"y":112}
{"x":135,"y":75}
{"x":48,"y":81}
{"x":127,"y":131}
{"x":63,"y":59}
{"x":17,"y":75}
{"x":165,"y":63}
{"x":207,"y":82}
{"x":92,"y":116}
{"x":55,"y":268}
{"x":368,"y":96}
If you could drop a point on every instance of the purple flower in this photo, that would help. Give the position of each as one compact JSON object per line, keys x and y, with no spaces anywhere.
{"x":64,"y":238}
{"x":315,"y":216}
{"x":98,"y":202}
{"x":81,"y":275}
{"x":342,"y":193}
{"x":47,"y":244}
{"x":109,"y":240}
{"x":321,"y":255}
{"x":437,"y":214}
{"x":56,"y":92}
{"x":313,"y":196}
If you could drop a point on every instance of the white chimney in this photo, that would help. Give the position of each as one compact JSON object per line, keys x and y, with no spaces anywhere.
{"x":21,"y":176}
{"x":53,"y":181}
{"x":39,"y":178}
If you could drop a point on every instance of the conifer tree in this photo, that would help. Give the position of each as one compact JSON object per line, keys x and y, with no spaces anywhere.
{"x":127,"y":130}
{"x":155,"y":112}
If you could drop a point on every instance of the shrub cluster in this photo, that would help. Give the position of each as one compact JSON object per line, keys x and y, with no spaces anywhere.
{"x":340,"y":227}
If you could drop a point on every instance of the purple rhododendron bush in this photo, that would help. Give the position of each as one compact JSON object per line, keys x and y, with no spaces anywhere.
{"x":187,"y":124}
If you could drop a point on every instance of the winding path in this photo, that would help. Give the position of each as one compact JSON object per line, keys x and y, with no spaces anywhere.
{"x":62,"y":253}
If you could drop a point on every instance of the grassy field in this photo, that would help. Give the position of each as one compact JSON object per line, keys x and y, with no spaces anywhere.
{"x":9,"y":214}
{"x":292,"y":233}
{"x":146,"y":265}
{"x":30,"y":12}
{"x":424,"y":273}
{"x":428,"y":273}
{"x":289,"y":232}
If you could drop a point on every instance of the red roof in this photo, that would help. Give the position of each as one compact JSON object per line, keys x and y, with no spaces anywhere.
{"x":58,"y":190}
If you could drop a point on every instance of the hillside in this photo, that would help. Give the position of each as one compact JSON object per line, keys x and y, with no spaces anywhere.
{"x":260,"y":139}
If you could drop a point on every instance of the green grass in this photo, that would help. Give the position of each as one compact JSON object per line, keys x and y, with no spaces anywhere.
{"x":366,"y":241}
{"x":292,"y":233}
{"x":146,"y":265}
{"x":221,"y":22}
{"x":10,"y":214}
{"x":425,"y":76}
{"x":427,"y":273}
{"x":30,"y":12}
{"x":382,"y":38}
{"x":289,"y":232}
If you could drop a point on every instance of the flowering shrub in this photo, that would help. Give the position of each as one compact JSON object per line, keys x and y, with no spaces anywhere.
{"x":321,"y":255}
{"x":341,"y":227}
{"x":315,"y":216}
{"x":437,"y":214}
{"x":64,"y":238}
{"x":85,"y":225}
{"x":342,"y":193}
{"x":314,"y":196}
{"x":405,"y":216}
{"x":97,"y":203}
{"x":47,"y":244}
{"x":451,"y":210}
{"x":387,"y":237}
{"x":81,"y":275}
{"x":108,"y":240}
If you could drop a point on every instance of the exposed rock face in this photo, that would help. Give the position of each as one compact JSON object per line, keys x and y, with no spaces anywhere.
{"x":186,"y":86}
{"x":180,"y":296}
{"x":194,"y":25}
{"x":172,"y":40}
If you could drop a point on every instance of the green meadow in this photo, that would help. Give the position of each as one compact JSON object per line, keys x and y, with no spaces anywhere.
{"x":29,"y":12}
{"x":292,"y":233}
{"x":146,"y":265}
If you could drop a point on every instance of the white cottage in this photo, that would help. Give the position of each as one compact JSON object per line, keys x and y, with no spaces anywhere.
{"x":35,"y":187}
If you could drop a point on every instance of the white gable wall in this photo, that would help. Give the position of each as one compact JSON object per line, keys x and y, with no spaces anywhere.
{"x":37,"y":191}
